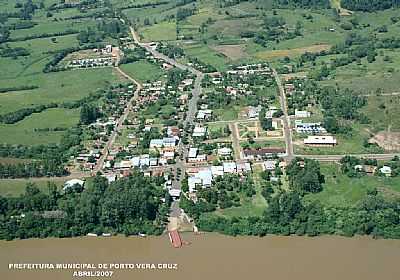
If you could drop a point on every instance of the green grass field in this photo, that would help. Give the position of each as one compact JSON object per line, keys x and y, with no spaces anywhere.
{"x":56,"y":87}
{"x":165,"y":31}
{"x":12,"y":187}
{"x":24,"y":132}
{"x":346,"y":144}
{"x":369,"y":78}
{"x":383,"y":111}
{"x":254,"y":206}
{"x":207,"y":55}
{"x":143,"y":71}
{"x":342,"y":191}
{"x":227,"y":114}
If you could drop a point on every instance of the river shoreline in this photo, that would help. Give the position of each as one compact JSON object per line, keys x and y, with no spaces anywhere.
{"x":209,"y":256}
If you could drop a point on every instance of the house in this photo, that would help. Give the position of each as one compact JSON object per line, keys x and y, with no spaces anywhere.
{"x":169,"y":142}
{"x":156,"y":143}
{"x":193,"y":182}
{"x":169,"y":155}
{"x":173,"y":131}
{"x":275,"y":124}
{"x":289,"y":88}
{"x":165,"y":142}
{"x":202,"y":178}
{"x":309,"y":128}
{"x":320,"y":141}
{"x":244,"y":167}
{"x":199,"y":131}
{"x":270,"y":113}
{"x":135,"y":161}
{"x":175,"y":193}
{"x":217,"y":170}
{"x":269,"y":165}
{"x":224,"y":151}
{"x":359,"y":167}
{"x":229,"y":167}
{"x":183,"y":98}
{"x":124,"y":164}
{"x":198,"y":158}
{"x":153,"y":161}
{"x":204,"y":114}
{"x":167,"y":66}
{"x":192,"y":153}
{"x":386,"y":170}
{"x":253,"y":112}
{"x":369,"y":169}
{"x":73,"y":182}
{"x":301,"y":114}
{"x":110,"y":177}
{"x":144,"y":161}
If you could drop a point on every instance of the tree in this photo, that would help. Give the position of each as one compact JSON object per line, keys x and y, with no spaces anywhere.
{"x":89,"y":114}
{"x":305,"y":176}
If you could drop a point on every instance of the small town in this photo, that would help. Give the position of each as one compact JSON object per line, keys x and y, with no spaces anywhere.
{"x":139,"y":136}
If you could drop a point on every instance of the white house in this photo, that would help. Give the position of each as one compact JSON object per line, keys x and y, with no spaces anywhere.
{"x":386,"y":170}
{"x":192,"y":152}
{"x":301,"y":114}
{"x":224,"y":151}
{"x":202,"y":178}
{"x":326,"y":140}
{"x":199,"y":131}
{"x":72,"y":183}
{"x":229,"y":167}
{"x":269,"y":165}
{"x":217,"y":170}
{"x":175,"y":192}
{"x":156,"y":143}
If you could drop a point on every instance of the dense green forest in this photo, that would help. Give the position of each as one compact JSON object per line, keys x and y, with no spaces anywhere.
{"x":304,"y":3}
{"x":287,"y":214}
{"x":129,"y":206}
{"x":369,"y":5}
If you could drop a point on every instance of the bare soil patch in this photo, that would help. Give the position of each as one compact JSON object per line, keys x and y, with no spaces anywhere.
{"x":233,"y":52}
{"x":390,"y":141}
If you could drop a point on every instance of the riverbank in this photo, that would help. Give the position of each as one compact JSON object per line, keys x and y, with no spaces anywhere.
{"x":210,"y":256}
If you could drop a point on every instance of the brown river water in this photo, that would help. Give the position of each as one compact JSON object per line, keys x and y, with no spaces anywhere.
{"x":209,"y":256}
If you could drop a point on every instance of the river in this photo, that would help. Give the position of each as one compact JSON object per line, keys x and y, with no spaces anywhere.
{"x":209,"y":256}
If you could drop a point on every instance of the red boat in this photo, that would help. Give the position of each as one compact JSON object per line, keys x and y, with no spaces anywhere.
{"x":175,"y":238}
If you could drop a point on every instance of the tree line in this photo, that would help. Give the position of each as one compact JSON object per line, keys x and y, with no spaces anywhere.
{"x":369,"y":5}
{"x":129,"y":206}
{"x":33,"y":169}
{"x":286,"y":214}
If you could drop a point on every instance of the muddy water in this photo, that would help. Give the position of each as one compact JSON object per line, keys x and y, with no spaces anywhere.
{"x":211,"y":256}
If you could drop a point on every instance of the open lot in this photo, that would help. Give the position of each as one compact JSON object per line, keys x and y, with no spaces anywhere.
{"x":30,"y":130}
{"x":268,"y":55}
{"x":16,"y":187}
{"x":143,"y":71}
{"x":342,"y":191}
{"x":55,"y":87}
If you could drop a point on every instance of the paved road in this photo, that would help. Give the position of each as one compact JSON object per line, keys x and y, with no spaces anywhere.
{"x":175,"y":211}
{"x":381,"y":94}
{"x":128,"y":108}
{"x":330,"y":158}
{"x":285,"y":118}
{"x":235,"y":140}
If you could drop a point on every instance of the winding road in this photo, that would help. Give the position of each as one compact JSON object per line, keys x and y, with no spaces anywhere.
{"x":120,"y":123}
